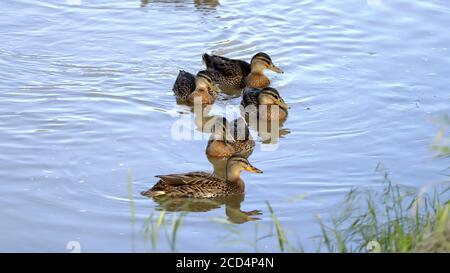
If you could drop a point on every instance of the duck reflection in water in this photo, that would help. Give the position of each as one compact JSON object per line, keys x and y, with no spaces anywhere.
{"x":203,"y":5}
{"x":201,"y":191}
{"x":232,"y":207}
{"x":269,"y":131}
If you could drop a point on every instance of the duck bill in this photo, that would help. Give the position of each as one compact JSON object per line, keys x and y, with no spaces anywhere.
{"x":253,"y":169}
{"x":275,"y":68}
{"x":283,"y":105}
{"x":215,"y":88}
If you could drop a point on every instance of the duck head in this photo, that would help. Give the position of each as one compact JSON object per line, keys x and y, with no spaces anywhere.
{"x":205,"y":90}
{"x":256,"y":78}
{"x":271,"y":96}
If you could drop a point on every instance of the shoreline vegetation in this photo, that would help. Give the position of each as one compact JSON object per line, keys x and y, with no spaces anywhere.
{"x":397,"y":219}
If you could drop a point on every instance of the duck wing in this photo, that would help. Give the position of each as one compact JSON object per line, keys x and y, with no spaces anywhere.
{"x":193,"y":184}
{"x":226,"y":67}
{"x":184,"y":84}
{"x":192,"y":178}
{"x":250,"y":97}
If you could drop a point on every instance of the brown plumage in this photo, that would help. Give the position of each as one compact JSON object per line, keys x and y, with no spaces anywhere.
{"x":187,"y":87}
{"x":228,"y":139}
{"x":266,"y":104}
{"x":237,"y":74}
{"x":202,"y":184}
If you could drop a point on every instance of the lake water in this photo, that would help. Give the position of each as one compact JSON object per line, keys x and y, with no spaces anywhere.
{"x":86,"y":106}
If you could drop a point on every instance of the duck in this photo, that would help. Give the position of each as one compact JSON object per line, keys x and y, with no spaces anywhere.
{"x":203,"y":184}
{"x":188,"y":87}
{"x":238,"y":74}
{"x":230,"y":138}
{"x":253,"y":99}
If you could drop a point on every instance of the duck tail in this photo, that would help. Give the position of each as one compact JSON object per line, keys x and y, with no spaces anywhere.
{"x":207,"y":60}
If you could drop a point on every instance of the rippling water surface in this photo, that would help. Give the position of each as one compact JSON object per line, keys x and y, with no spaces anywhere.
{"x":86,"y":106}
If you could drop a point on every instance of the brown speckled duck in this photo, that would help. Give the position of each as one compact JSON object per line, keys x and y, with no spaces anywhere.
{"x":237,"y":74}
{"x":202,"y":184}
{"x":228,"y":139}
{"x":187,"y":87}
{"x":266,"y":104}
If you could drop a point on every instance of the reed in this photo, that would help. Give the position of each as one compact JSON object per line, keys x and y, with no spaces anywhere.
{"x":281,"y":232}
{"x":395,"y":221}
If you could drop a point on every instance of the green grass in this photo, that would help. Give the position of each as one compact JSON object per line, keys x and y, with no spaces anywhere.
{"x":281,"y":233}
{"x":441,"y":142}
{"x":437,"y":237}
{"x":154,"y":224}
{"x":365,"y":221}
{"x":397,"y":220}
{"x":152,"y":228}
{"x":132,"y":208}
{"x":130,"y":197}
{"x":177,"y":221}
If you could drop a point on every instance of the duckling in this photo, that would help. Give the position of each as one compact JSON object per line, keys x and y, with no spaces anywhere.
{"x":202,"y":184}
{"x":263,"y":103}
{"x":227,"y":139}
{"x":237,"y":74}
{"x":188,"y":87}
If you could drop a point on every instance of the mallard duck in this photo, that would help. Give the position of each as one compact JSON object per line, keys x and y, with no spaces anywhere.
{"x":243,"y":141}
{"x":202,"y":184}
{"x":187,"y":87}
{"x":228,"y":139}
{"x":237,"y":74}
{"x":264,"y":104}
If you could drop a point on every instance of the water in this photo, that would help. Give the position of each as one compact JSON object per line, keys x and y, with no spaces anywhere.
{"x":86,"y":102}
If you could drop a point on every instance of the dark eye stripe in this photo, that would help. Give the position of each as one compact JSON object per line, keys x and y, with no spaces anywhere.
{"x":205,"y":75}
{"x":268,"y":62}
{"x":240,"y":159}
{"x":270,"y":89}
{"x":206,"y":78}
{"x":271,"y":93}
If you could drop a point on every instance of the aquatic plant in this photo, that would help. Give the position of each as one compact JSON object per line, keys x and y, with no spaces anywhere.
{"x":281,"y":233}
{"x":155,"y":223}
{"x":441,"y":142}
{"x":152,"y":228}
{"x":363,"y":226}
